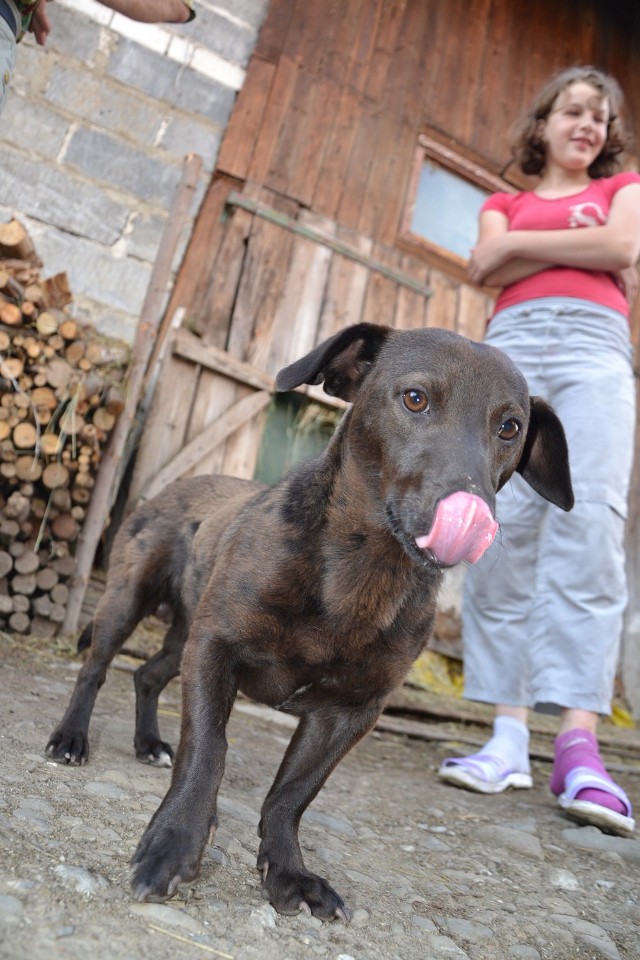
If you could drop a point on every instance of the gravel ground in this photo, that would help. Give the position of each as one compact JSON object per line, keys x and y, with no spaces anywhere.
{"x":428,"y":871}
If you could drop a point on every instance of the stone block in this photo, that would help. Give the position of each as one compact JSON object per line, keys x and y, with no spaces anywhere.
{"x":105,"y":104}
{"x":111,"y":160}
{"x":144,"y":70}
{"x":93,"y":269}
{"x":53,"y":194}
{"x":183,"y":135}
{"x":228,"y":38}
{"x":209,"y":98}
{"x":32,"y":126}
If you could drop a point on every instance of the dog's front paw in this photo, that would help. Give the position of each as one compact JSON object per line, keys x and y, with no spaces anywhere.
{"x":165,"y":858}
{"x":293,"y":891}
{"x":68,"y":747}
{"x":154,"y":751}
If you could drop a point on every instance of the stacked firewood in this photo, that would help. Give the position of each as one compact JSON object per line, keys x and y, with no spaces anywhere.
{"x":60,"y":395}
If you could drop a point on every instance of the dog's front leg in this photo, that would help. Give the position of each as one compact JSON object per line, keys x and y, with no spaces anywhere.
{"x":322,"y":738}
{"x":171,"y":848}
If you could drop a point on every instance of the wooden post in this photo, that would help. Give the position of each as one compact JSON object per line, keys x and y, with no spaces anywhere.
{"x":109,"y":473}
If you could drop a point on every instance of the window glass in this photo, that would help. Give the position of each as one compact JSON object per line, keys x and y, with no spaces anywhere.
{"x":446,"y":209}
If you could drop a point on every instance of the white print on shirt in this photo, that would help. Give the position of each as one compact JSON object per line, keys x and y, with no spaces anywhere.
{"x":586,"y":215}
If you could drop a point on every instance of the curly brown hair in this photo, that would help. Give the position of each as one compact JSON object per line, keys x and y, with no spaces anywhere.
{"x":528,"y":147}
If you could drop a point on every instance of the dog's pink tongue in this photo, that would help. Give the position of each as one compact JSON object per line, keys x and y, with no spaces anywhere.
{"x":463,"y":528}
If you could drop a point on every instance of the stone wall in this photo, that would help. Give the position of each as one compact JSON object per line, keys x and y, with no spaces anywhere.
{"x":94,"y":133}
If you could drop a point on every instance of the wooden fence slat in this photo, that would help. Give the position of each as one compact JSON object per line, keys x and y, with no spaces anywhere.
{"x":226,"y":274}
{"x":167,"y":422}
{"x":389,"y":27}
{"x":306,"y":158}
{"x":273,"y":33}
{"x":238,"y":143}
{"x":211,"y":436}
{"x":380,"y":298}
{"x":346,"y":287}
{"x":474,"y":309}
{"x":192,"y":288}
{"x":280,"y":94}
{"x":411,"y":307}
{"x":336,"y":153}
{"x":295,"y":326}
{"x":442,"y":310}
{"x":260,"y":291}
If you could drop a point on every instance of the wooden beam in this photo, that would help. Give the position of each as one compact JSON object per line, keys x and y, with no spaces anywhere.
{"x":236,"y":199}
{"x":189,"y":347}
{"x":213,"y":435}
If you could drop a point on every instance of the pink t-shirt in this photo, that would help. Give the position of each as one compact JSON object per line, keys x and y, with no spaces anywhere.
{"x":589,"y":208}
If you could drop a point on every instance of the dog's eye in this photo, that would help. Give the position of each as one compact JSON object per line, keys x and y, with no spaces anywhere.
{"x":415,"y":400}
{"x":509,"y":430}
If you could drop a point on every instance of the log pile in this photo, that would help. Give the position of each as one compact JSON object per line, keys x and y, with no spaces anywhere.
{"x":61,"y":392}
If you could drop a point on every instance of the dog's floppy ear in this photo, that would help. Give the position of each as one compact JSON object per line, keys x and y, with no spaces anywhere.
{"x":341,"y":362}
{"x":545,"y":459}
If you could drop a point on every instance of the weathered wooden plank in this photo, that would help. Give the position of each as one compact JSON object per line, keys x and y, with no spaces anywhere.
{"x":189,"y":347}
{"x":214,"y":316}
{"x":380,"y":298}
{"x":346,"y":287}
{"x":242,"y":447}
{"x":273,"y":117}
{"x":353,"y":187}
{"x":191,"y":455}
{"x":364,"y":34}
{"x":273,"y":33}
{"x":335,"y":156}
{"x":297,"y":156}
{"x":295,"y":326}
{"x":474,"y":309}
{"x":216,"y":394}
{"x":411,"y":307}
{"x":193,"y":284}
{"x":260,"y":290}
{"x":339,"y":42}
{"x":316,"y":123}
{"x":398,"y":193}
{"x":239,"y":141}
{"x":442,"y":309}
{"x":388,"y":33}
{"x":167,"y":422}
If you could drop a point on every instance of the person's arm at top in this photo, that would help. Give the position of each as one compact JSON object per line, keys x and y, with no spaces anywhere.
{"x":492,"y":226}
{"x":152,"y":11}
{"x":613,"y":246}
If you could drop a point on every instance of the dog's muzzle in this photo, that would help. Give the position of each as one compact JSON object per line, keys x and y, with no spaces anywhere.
{"x":463,"y":528}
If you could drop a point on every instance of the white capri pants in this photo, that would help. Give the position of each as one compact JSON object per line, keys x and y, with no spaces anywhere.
{"x":543,"y":609}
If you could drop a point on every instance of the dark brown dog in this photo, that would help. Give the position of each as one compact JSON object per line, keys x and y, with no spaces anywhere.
{"x":314,"y":596}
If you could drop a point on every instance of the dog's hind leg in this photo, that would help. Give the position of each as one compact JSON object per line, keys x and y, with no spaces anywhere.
{"x":322,"y":738}
{"x":116,"y":616}
{"x":150,"y":680}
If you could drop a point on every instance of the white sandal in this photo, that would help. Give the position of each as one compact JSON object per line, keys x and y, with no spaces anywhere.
{"x":483,"y":773}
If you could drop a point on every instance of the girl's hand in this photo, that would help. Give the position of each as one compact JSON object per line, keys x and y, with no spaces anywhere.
{"x":630,"y":282}
{"x":40,"y":26}
{"x":487,"y":256}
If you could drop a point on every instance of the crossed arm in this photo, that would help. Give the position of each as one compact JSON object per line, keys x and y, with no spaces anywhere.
{"x":146,"y":11}
{"x":502,"y":256}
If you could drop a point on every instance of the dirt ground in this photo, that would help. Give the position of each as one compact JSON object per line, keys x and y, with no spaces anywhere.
{"x":428,"y":871}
